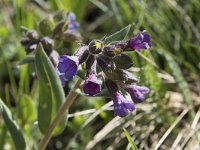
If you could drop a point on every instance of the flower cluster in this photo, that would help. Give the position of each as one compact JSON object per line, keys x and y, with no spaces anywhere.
{"x":102,"y":61}
{"x":60,"y":27}
{"x":108,"y":62}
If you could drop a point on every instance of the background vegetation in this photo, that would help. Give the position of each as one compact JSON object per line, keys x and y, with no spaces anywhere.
{"x":168,"y":119}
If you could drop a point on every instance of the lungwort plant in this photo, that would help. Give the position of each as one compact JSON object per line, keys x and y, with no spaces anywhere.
{"x":103,"y":66}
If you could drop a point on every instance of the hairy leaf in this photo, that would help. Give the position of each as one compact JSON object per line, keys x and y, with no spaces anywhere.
{"x":51,"y":94}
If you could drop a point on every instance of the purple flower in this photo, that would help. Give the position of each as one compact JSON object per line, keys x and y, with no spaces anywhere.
{"x":73,"y":24}
{"x":91,"y":85}
{"x":140,"y":41}
{"x":67,"y":67}
{"x":122,"y":105}
{"x":138,"y":92}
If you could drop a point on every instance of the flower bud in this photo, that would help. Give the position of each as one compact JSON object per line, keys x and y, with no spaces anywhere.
{"x":111,"y":86}
{"x":71,"y":36}
{"x":95,"y":46}
{"x":82,"y":53}
{"x":105,"y":63}
{"x":33,"y":36}
{"x":60,"y":15}
{"x":24,"y":41}
{"x":137,"y":92}
{"x":47,"y":44}
{"x":121,"y":75}
{"x":30,"y":47}
{"x":128,"y":77}
{"x":47,"y":25}
{"x":109,"y":50}
{"x":120,"y":44}
{"x":122,"y":105}
{"x":30,"y":40}
{"x":60,"y":27}
{"x":91,"y":64}
{"x":123,"y":61}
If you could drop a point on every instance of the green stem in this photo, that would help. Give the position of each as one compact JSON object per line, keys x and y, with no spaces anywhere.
{"x":68,"y":101}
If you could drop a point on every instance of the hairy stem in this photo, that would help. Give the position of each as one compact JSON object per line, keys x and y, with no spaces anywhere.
{"x":68,"y":101}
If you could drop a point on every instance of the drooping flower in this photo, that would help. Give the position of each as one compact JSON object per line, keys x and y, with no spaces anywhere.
{"x":91,"y":86}
{"x":138,"y":92}
{"x":67,"y":67}
{"x":122,"y":105}
{"x":140,"y":41}
{"x":73,"y":24}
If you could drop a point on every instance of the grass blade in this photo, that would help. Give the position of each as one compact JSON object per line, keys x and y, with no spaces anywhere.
{"x":133,"y":146}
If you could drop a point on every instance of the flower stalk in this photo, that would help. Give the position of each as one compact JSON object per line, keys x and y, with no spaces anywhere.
{"x":68,"y":101}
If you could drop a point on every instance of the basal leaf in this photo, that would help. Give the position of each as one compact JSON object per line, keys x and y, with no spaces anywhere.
{"x":16,"y":134}
{"x":119,"y":35}
{"x":133,"y":146}
{"x":51,"y":94}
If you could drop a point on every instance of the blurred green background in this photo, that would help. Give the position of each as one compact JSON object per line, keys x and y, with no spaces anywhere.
{"x":168,"y":119}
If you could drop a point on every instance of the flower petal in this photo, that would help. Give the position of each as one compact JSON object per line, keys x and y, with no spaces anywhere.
{"x":91,"y":85}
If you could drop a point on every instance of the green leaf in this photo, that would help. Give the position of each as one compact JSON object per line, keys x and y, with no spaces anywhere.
{"x":27,"y":110}
{"x":26,"y":60}
{"x":117,"y":36}
{"x":133,"y":146}
{"x":51,"y":94}
{"x":16,"y":134}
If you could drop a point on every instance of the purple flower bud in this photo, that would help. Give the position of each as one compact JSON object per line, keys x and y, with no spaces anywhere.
{"x":138,"y":92}
{"x":73,"y":24}
{"x":67,"y":67}
{"x":122,"y":105}
{"x":140,"y":41}
{"x":91,"y":85}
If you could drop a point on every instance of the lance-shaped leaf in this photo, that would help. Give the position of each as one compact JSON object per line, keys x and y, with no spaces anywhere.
{"x":51,"y":94}
{"x":16,"y":134}
{"x":118,"y":36}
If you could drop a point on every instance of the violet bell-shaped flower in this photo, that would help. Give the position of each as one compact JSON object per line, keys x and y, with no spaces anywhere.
{"x":91,"y":85}
{"x":67,"y":67}
{"x":140,"y":41}
{"x":137,"y":93}
{"x":122,"y":105}
{"x":73,"y":24}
